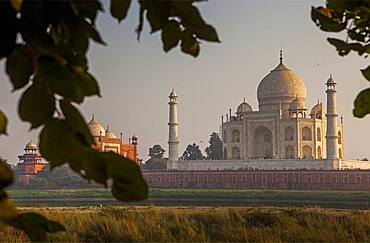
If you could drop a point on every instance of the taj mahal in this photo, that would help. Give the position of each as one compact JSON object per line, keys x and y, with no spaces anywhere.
{"x":281,"y":135}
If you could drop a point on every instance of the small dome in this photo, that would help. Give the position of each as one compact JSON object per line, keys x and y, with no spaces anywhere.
{"x":297,"y":104}
{"x":95,"y":127}
{"x":318,"y":109}
{"x":31,"y":145}
{"x":243,"y":108}
{"x":109,"y":133}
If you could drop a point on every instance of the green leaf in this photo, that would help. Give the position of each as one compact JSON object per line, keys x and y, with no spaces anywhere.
{"x":119,"y":9}
{"x":93,"y":33}
{"x":57,"y":144}
{"x":55,"y":227}
{"x":6,"y":175}
{"x":358,"y":36}
{"x":36,"y":226}
{"x":362,"y":104}
{"x":189,"y":14}
{"x":189,"y":44}
{"x":87,"y":9}
{"x":9,"y":30}
{"x":3,"y":123}
{"x":41,"y":43}
{"x":128,"y":182}
{"x":76,"y":123}
{"x":366,"y":73}
{"x":61,"y":79}
{"x":19,"y":67}
{"x":8,"y":210}
{"x":73,"y":86}
{"x":171,"y":35}
{"x":206,"y":32}
{"x":94,"y":166}
{"x":88,"y":84}
{"x":157,"y":14}
{"x":341,"y":46}
{"x":17,"y":4}
{"x":325,"y":20}
{"x":36,"y":105}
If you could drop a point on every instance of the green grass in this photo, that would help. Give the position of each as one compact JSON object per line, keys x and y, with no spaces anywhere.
{"x":195,"y":197}
{"x":192,"y":224}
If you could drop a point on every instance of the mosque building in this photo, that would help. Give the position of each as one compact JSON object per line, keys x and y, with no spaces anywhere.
{"x":282,"y":134}
{"x":30,"y":163}
{"x":106,"y":140}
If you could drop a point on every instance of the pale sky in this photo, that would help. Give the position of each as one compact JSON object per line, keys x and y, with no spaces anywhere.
{"x":136,"y":77}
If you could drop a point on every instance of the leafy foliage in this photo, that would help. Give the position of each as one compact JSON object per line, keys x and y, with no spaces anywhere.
{"x":155,"y":164}
{"x":179,"y":21}
{"x":192,"y":152}
{"x":34,"y":225}
{"x":45,"y":45}
{"x":3,"y":123}
{"x":214,"y":150}
{"x":353,"y":17}
{"x":156,"y":152}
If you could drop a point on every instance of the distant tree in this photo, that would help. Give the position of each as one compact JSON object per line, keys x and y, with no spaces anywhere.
{"x":156,"y":152}
{"x":63,"y":177}
{"x":192,"y":152}
{"x":353,"y":18}
{"x":365,"y":159}
{"x":4,"y":161}
{"x":44,"y":46}
{"x":214,"y":150}
{"x":156,"y":161}
{"x":155,"y":164}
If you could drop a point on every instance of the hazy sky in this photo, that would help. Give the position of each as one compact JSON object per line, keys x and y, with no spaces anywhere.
{"x":136,"y":77}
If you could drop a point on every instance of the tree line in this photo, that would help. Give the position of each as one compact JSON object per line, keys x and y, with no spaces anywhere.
{"x":192,"y":152}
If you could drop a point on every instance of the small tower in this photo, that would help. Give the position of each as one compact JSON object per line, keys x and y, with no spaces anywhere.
{"x":135,"y":144}
{"x":173,"y":133}
{"x":331,"y":116}
{"x":30,"y":163}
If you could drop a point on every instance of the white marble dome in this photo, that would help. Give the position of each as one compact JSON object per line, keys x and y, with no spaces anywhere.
{"x":95,"y":128}
{"x":280,"y":85}
{"x":244,"y":107}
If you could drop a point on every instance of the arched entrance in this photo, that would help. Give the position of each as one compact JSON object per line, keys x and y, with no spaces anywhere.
{"x":340,"y":153}
{"x":236,"y":153}
{"x":319,"y":156}
{"x":263,"y":143}
{"x":307,"y":152}
{"x":289,"y":152}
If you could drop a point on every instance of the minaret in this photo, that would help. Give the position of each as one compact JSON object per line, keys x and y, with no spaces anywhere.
{"x":331,"y":114}
{"x":173,"y":133}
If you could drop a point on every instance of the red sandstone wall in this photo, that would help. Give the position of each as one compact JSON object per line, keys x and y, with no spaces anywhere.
{"x":249,"y":179}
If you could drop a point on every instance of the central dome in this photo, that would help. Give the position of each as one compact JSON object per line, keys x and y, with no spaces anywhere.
{"x":279,"y":88}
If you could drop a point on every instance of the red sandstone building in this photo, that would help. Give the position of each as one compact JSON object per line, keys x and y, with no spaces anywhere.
{"x":106,"y":140}
{"x":30,"y":163}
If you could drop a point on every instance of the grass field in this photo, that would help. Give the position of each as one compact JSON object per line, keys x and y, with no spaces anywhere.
{"x":197,"y":224}
{"x":195,"y":197}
